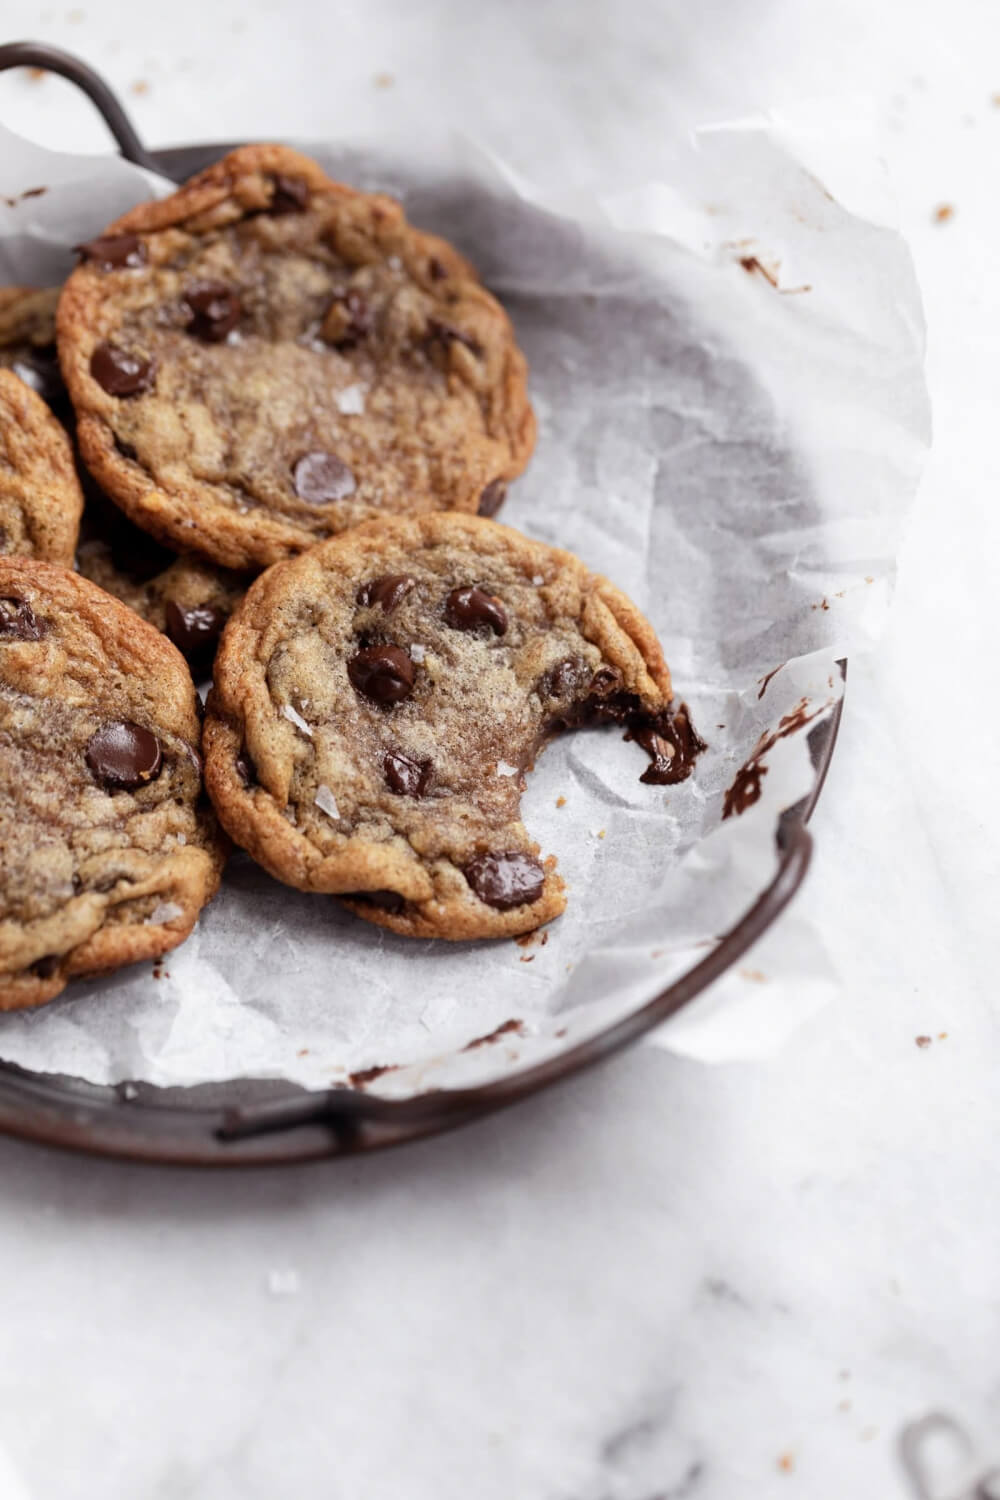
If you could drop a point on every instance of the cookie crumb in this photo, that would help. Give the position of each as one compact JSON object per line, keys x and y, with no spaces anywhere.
{"x":140,"y":87}
{"x":302,"y":1052}
{"x":35,"y":75}
{"x":560,"y":802}
{"x":755,"y":975}
{"x":922,"y":1041}
{"x":786,"y":1463}
{"x":942,"y":1036}
{"x":943,"y":213}
{"x":383,"y":80}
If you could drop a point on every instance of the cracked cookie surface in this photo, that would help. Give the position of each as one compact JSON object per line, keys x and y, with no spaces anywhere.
{"x":268,"y":357}
{"x":108,"y":849}
{"x":378,"y":701}
{"x":40,"y":495}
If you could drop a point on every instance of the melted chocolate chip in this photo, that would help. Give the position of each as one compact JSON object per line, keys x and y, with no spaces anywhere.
{"x":40,"y":370}
{"x":388,"y":591}
{"x":468,"y":609}
{"x":439,"y":332}
{"x":194,"y":629}
{"x":323,"y":477}
{"x":672,"y":742}
{"x":406,"y":777}
{"x":44,"y":968}
{"x":18,"y":621}
{"x":564,"y":679}
{"x":125,"y":755}
{"x":290,"y":196}
{"x":506,"y":880}
{"x":383,"y":673}
{"x":120,"y":373}
{"x":390,"y":901}
{"x":348,"y":320}
{"x":492,"y":497}
{"x":114,"y":252}
{"x":215,"y":310}
{"x":245,"y":768}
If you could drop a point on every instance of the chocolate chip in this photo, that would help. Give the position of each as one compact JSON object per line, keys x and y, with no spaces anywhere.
{"x":388,"y":591}
{"x":215,"y":310}
{"x":383,"y":673}
{"x":114,"y":252}
{"x":323,"y":477}
{"x":439,"y":332}
{"x":390,"y":901}
{"x":290,"y":196}
{"x":245,"y":768}
{"x":18,"y":621}
{"x":123,"y":754}
{"x":120,"y":373}
{"x":44,"y":968}
{"x":406,"y":777}
{"x":348,"y":319}
{"x":468,"y":609}
{"x":564,"y":679}
{"x":493,"y":497}
{"x":41,"y":372}
{"x":506,"y":880}
{"x":437,"y":270}
{"x":196,"y":628}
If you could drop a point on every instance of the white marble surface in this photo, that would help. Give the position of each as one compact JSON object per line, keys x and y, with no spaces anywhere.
{"x":664,"y":1280}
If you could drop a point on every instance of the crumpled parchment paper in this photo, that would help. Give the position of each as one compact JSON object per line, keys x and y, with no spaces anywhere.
{"x":727,"y":371}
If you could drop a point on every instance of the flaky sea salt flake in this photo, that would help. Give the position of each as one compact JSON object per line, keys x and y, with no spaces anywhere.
{"x":164,"y":911}
{"x":504,"y":768}
{"x":294,"y":717}
{"x":418,"y":653}
{"x":351,"y":401}
{"x":326,"y":801}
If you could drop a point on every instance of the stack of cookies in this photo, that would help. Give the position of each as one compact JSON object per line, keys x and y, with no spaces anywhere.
{"x":259,"y":436}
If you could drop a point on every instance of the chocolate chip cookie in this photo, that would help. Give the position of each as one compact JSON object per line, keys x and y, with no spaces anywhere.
{"x":378,"y":701}
{"x":268,"y":357}
{"x":187,"y":598}
{"x":40,"y":496}
{"x":28,"y":338}
{"x":107,"y":849}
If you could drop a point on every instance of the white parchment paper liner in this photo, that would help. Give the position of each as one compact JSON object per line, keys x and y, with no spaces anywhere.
{"x":727,"y":370}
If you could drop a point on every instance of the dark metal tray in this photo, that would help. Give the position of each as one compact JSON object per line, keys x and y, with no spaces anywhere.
{"x":249,"y":1122}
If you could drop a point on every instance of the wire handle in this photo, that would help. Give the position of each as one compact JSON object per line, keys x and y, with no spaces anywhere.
{"x":54,"y":60}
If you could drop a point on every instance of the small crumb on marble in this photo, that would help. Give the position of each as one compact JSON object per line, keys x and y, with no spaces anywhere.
{"x":922,"y":1041}
{"x":302,"y":1052}
{"x":140,"y":87}
{"x":35,"y":75}
{"x":283,"y":1282}
{"x":384,"y":80}
{"x":845,"y":1405}
{"x":418,"y":653}
{"x":351,"y":401}
{"x":560,"y":802}
{"x":294,"y":717}
{"x":786,"y":1463}
{"x":755,"y":975}
{"x":326,"y":801}
{"x":943,"y":213}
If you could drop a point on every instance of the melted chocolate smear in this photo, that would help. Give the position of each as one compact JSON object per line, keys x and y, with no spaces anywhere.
{"x":114,"y":252}
{"x":471,"y":608}
{"x":511,"y":1027}
{"x":390,"y":901}
{"x":384,"y":674}
{"x":746,"y":787}
{"x":406,"y":777}
{"x":215,"y":310}
{"x":290,"y":196}
{"x":120,"y":373}
{"x":18,"y":621}
{"x":44,"y":968}
{"x":504,"y":881}
{"x":388,"y":591}
{"x":124,"y":755}
{"x":669,"y":739}
{"x":196,"y":629}
{"x":492,"y":497}
{"x":321,"y":478}
{"x":365,"y":1076}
